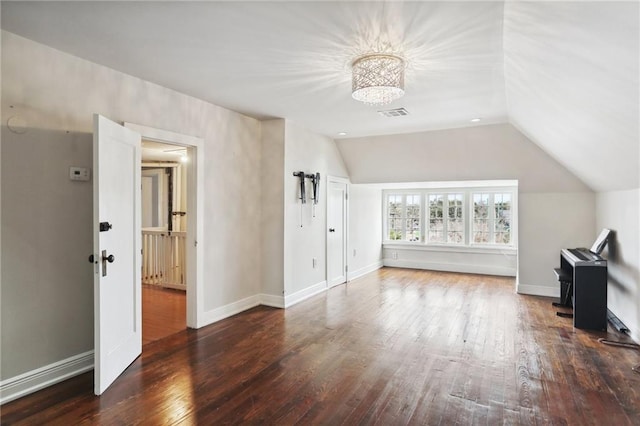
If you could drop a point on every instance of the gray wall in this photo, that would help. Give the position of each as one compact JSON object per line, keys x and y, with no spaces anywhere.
{"x":47,"y":285}
{"x":47,"y":282}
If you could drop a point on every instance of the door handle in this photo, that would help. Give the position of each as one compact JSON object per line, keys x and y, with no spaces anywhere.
{"x":332,"y":229}
{"x":106,"y":259}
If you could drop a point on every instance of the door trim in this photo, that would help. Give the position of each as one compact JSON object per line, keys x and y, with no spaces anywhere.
{"x":347,"y":183}
{"x":195,"y":203}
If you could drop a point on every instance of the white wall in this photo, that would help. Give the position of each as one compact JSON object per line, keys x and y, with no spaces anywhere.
{"x":492,"y":152}
{"x":305,"y":235}
{"x":365,"y":230}
{"x":620,"y":212}
{"x":46,"y":279}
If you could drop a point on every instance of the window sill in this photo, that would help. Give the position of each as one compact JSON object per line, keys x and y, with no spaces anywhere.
{"x":406,"y":245}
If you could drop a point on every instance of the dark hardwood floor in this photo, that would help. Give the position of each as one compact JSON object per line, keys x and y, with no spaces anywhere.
{"x":164,"y":312}
{"x":395,"y":347}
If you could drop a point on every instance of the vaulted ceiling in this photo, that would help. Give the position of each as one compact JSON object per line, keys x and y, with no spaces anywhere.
{"x":564,"y":73}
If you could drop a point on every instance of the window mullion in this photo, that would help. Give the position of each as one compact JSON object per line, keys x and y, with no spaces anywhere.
{"x":404,"y":217}
{"x":445,"y":218}
{"x":423,"y":217}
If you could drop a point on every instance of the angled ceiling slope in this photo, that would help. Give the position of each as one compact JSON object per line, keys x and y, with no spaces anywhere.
{"x":572,"y":73}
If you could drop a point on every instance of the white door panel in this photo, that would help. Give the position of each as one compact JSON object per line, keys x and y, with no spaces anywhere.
{"x":336,"y":233}
{"x":117,"y":288}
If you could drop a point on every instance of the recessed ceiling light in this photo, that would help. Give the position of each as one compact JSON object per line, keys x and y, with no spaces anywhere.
{"x":342,"y":134}
{"x":475,"y":120}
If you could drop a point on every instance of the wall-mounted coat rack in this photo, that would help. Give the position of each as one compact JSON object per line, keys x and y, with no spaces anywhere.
{"x":315,"y":181}
{"x":300,"y":175}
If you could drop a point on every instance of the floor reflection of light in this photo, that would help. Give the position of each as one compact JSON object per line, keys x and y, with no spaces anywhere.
{"x":179,"y":399}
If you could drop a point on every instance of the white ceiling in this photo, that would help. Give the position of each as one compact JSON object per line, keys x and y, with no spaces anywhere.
{"x":564,"y":73}
{"x":291,"y":60}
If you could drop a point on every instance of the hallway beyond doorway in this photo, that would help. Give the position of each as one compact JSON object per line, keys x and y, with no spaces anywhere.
{"x":163,"y":312}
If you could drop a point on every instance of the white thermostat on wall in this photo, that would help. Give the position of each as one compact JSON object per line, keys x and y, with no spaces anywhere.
{"x":80,"y":173}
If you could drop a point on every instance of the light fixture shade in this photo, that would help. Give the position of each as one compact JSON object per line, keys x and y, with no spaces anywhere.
{"x":378,"y":78}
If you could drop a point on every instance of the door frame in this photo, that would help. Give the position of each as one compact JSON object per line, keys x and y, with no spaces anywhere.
{"x":195,"y":205}
{"x":346,"y":182}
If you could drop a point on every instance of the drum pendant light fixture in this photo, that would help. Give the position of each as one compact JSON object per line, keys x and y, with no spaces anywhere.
{"x":378,"y":78}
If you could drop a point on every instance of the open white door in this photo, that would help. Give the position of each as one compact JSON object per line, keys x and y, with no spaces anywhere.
{"x":116,"y":250}
{"x":336,"y":232}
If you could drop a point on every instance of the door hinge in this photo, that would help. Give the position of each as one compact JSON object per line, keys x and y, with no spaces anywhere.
{"x":346,"y":268}
{"x":346,"y":196}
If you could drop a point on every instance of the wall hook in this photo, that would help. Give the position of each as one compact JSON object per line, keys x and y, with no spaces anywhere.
{"x":300,"y":175}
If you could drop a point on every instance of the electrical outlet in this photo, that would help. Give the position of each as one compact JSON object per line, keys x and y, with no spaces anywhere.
{"x":314,"y":261}
{"x":395,"y":255}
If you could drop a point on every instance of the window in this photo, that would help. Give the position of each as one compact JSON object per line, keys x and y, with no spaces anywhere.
{"x":394,"y":220}
{"x":436,"y":220}
{"x":502,"y":224}
{"x":492,"y":218}
{"x":446,"y":223}
{"x":412,"y":230}
{"x":461,"y":216}
{"x":403,"y":217}
{"x":480,"y":218}
{"x":455,"y":222}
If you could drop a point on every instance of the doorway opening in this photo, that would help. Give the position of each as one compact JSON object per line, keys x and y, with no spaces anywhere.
{"x":164,"y":187}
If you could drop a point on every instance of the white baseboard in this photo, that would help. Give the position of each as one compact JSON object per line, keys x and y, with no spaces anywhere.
{"x":363,"y":271}
{"x":299,"y":296}
{"x":451,"y":267}
{"x":40,"y":378}
{"x":538,"y":290}
{"x":217,"y":314}
{"x":271,"y":300}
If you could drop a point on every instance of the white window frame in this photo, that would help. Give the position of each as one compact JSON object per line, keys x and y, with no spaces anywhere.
{"x":445,"y":217}
{"x":467,"y":217}
{"x":491,"y":219}
{"x":385,"y":216}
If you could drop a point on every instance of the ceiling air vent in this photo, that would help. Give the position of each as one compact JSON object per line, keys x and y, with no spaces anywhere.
{"x":397,"y":112}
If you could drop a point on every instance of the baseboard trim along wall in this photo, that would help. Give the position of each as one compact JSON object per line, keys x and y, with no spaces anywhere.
{"x":230,"y":309}
{"x":363,"y":271}
{"x":305,"y":293}
{"x":538,"y":290}
{"x":271,"y":300}
{"x":451,"y":267}
{"x":40,"y":378}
